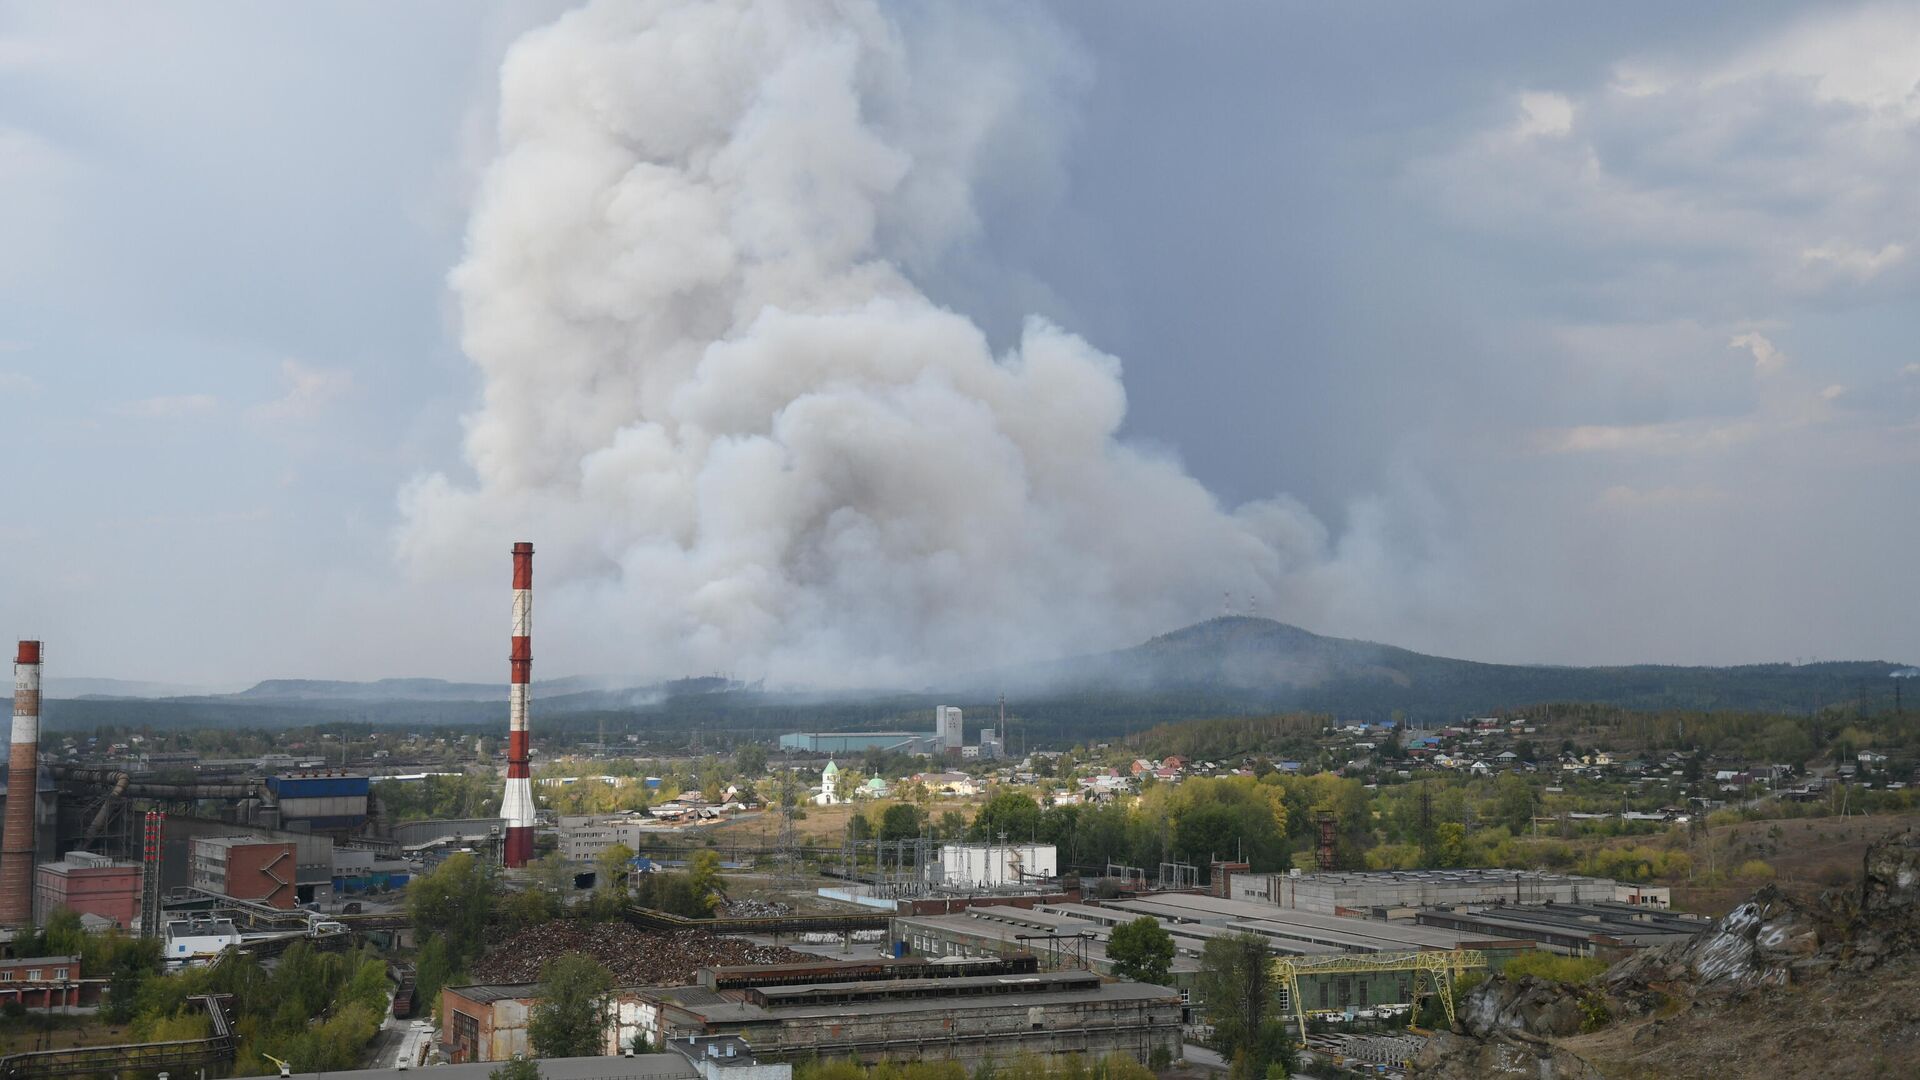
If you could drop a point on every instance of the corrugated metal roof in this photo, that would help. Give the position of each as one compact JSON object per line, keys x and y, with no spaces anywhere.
{"x":638,"y":1067}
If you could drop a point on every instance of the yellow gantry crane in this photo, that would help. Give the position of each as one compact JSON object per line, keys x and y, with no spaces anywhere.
{"x":1440,"y":967}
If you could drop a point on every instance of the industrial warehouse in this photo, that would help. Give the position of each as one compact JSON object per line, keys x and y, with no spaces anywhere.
{"x":868,"y":1010}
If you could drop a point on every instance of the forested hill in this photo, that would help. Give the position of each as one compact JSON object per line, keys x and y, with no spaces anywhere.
{"x":1271,"y":665}
{"x":1222,"y":667}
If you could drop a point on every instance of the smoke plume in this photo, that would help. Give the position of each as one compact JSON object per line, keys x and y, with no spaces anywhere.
{"x":741,"y":436}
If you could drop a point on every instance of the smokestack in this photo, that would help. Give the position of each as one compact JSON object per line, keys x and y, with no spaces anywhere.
{"x":23,"y":791}
{"x":516,"y":810}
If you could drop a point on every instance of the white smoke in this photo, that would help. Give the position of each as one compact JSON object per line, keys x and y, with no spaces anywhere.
{"x":740,"y":436}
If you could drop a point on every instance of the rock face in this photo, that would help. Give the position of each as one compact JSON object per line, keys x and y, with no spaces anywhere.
{"x":1526,"y":1006}
{"x":1454,"y":1057}
{"x":1768,"y":941}
{"x":1772,"y":940}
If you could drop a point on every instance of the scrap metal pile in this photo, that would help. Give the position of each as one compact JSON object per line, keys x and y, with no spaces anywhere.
{"x":752,"y":909}
{"x":636,"y":957}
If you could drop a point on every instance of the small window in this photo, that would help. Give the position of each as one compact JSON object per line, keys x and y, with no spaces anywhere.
{"x":33,"y":974}
{"x":7,"y":975}
{"x":60,"y":973}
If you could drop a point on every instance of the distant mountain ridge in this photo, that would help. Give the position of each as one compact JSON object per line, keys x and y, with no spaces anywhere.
{"x":1224,"y":666}
{"x":1273,"y":664}
{"x":401,"y":689}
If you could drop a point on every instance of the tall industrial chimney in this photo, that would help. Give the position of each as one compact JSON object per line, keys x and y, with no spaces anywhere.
{"x":516,"y":810}
{"x":23,"y":791}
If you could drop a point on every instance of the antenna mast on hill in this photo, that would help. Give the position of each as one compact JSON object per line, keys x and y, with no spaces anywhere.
{"x":1226,"y":605}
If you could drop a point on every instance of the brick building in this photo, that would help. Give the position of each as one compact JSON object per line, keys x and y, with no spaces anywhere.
{"x":246,"y":868}
{"x":89,"y":884}
{"x":40,"y":981}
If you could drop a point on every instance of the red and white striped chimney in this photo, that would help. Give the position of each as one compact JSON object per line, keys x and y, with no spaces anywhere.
{"x":516,"y":810}
{"x":23,"y":791}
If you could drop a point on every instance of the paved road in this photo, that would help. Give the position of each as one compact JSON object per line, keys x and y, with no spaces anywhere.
{"x":1207,"y":1059}
{"x":1203,"y":1057}
{"x":395,"y":1040}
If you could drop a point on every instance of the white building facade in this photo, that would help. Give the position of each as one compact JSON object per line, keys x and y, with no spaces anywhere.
{"x":993,"y":866}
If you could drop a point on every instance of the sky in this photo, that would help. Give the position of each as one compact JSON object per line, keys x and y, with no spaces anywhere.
{"x":1582,"y":335}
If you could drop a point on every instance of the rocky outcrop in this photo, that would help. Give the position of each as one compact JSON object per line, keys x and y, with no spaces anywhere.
{"x":1506,"y":1026}
{"x":1525,"y":1006}
{"x":1456,"y":1057}
{"x":1774,"y":939}
{"x":1770,"y":940}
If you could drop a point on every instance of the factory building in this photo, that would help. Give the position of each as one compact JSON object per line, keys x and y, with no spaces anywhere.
{"x":313,"y":854}
{"x":1057,"y":941}
{"x":1334,"y":893}
{"x":869,"y":1011}
{"x":948,"y":725}
{"x":948,"y":739}
{"x":1066,"y":934}
{"x":969,"y":1019}
{"x":89,"y":884}
{"x":583,"y":839}
{"x":357,"y":870}
{"x":315,"y":802}
{"x":859,"y":742}
{"x":197,"y":937}
{"x":997,"y":866}
{"x":1609,"y":930}
{"x":40,"y":982}
{"x":246,"y":869}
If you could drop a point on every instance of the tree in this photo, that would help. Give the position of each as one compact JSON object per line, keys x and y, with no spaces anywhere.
{"x":953,"y":825}
{"x":1011,"y":813}
{"x":457,"y":899}
{"x":750,"y":760}
{"x":517,"y":1069}
{"x":1237,"y":990}
{"x":611,"y":865}
{"x":901,"y":821}
{"x":570,"y":1018}
{"x":1142,"y":951}
{"x":703,"y":875}
{"x":552,"y":873}
{"x":1513,"y":803}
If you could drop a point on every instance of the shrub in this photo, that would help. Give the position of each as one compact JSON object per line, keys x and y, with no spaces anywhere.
{"x":1572,"y":970}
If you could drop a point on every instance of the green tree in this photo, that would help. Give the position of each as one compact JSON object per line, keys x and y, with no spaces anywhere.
{"x":611,"y":865}
{"x":570,"y":1017}
{"x":1142,"y":951}
{"x":1236,"y":987}
{"x":901,"y":821}
{"x":750,"y":760}
{"x":953,"y":825}
{"x":1513,"y":803}
{"x":1012,"y":813}
{"x":457,"y":899}
{"x":703,"y":875}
